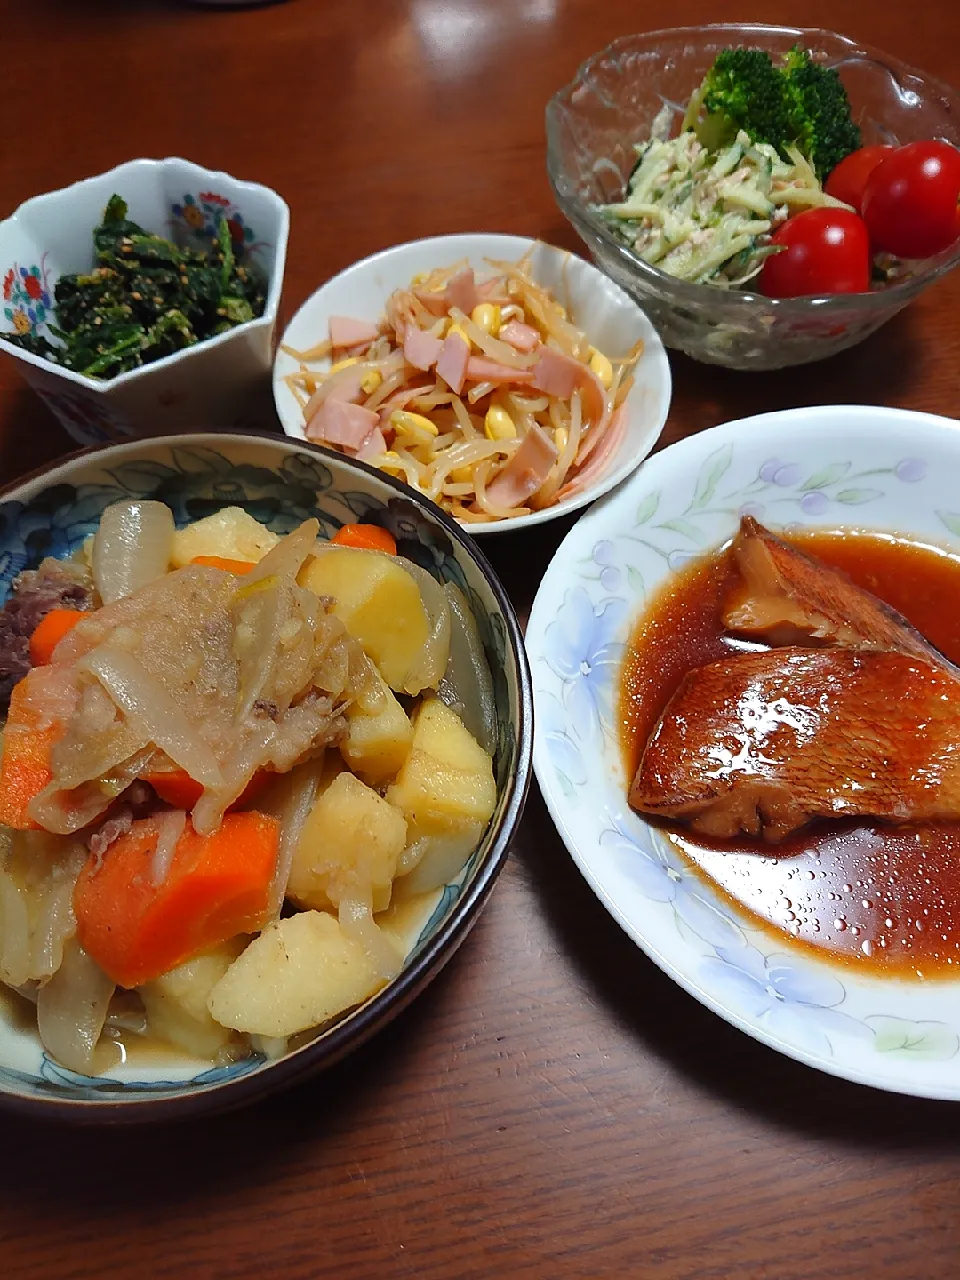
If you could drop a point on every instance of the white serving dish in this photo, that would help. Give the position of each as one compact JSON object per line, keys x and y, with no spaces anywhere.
{"x":218,"y":383}
{"x":611,"y":321}
{"x":849,"y":466}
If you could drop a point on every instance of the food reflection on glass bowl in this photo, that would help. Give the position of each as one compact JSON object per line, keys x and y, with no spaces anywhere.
{"x":149,"y":1063}
{"x":594,"y":122}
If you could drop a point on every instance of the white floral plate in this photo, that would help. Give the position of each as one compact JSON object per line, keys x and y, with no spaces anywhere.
{"x":842,"y":467}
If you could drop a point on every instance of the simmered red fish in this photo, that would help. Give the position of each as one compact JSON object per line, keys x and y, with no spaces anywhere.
{"x":762,"y":743}
{"x":789,"y":598}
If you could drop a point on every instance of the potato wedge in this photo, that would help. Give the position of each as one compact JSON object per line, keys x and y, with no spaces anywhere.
{"x":380,"y":605}
{"x":231,"y":534}
{"x":176,"y":1003}
{"x":297,"y":974}
{"x":349,"y":847}
{"x":447,"y":780}
{"x":379,"y":735}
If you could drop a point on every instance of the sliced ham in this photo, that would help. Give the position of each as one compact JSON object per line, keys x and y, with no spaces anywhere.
{"x":461,"y":291}
{"x":480,"y":369}
{"x":525,"y":472}
{"x":421,"y":349}
{"x":493,"y":291}
{"x":557,"y":374}
{"x":373,"y":446}
{"x":522,"y":337}
{"x":345,"y":331}
{"x":347,"y":384}
{"x":601,"y":457}
{"x":452,"y":365}
{"x":435,"y":303}
{"x":347,"y":425}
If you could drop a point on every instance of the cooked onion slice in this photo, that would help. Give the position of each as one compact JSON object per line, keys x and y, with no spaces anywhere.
{"x":146,"y":703}
{"x":467,"y":685}
{"x":356,"y":920}
{"x":170,"y":824}
{"x":132,"y":547}
{"x":72,"y":1008}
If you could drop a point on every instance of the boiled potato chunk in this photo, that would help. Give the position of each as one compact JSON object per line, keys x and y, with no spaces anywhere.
{"x":176,"y":1003}
{"x":231,"y":534}
{"x":298,"y":973}
{"x":447,"y":779}
{"x":349,"y":847}
{"x":380,"y":605}
{"x":379,"y":735}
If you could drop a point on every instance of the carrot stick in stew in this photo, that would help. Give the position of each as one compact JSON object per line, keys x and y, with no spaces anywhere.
{"x":223,"y":562}
{"x":366,"y":537}
{"x":49,"y":631}
{"x":25,"y":762}
{"x":217,"y":886}
{"x":177,"y":788}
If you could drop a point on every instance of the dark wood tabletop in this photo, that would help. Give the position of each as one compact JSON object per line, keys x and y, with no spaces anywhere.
{"x":553,"y":1105}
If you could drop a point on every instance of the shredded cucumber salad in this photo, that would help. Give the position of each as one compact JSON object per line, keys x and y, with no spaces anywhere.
{"x":708,"y":216}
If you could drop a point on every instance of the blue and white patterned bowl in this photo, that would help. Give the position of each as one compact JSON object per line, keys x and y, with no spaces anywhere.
{"x":281,"y":483}
{"x":847,"y":467}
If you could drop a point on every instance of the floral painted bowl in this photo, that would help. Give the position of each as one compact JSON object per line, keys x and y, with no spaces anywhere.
{"x":222,"y":382}
{"x":281,"y":483}
{"x":610,"y":319}
{"x":847,"y":467}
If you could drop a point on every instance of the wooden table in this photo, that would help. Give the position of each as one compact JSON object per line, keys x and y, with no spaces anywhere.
{"x":553,"y":1105}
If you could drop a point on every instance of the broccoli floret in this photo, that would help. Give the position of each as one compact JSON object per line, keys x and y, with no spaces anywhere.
{"x":824,"y":129}
{"x":742,"y":90}
{"x":798,"y":103}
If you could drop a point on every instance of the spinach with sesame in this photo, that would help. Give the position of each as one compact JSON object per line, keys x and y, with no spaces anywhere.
{"x":145,"y":298}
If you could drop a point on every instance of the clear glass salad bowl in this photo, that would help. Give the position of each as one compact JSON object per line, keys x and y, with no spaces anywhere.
{"x":594,"y":122}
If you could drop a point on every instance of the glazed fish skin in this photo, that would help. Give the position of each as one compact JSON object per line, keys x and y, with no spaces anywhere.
{"x":762,"y":743}
{"x":788,"y":598}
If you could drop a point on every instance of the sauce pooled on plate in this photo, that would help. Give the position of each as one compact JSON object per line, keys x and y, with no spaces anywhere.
{"x":874,"y":894}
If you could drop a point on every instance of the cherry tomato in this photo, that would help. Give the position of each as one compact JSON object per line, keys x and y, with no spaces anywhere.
{"x":824,"y":251}
{"x":910,"y":200}
{"x":848,"y":179}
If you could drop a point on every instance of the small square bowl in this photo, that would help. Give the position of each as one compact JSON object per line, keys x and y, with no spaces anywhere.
{"x":220,"y":382}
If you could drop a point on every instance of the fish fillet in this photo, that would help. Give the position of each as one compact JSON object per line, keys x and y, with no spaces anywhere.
{"x":788,"y":597}
{"x":762,"y":743}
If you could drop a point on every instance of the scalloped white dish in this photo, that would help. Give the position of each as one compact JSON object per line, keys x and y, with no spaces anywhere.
{"x":875,"y":469}
{"x":610,"y":319}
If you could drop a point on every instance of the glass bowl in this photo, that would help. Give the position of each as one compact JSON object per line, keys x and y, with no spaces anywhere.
{"x":594,"y":122}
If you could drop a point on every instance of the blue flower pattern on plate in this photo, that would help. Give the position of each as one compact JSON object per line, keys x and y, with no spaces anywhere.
{"x":805,"y":1005}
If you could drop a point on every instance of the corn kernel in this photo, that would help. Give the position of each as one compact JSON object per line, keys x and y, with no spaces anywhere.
{"x":370,"y":381}
{"x":344,"y":364}
{"x":486,"y":316}
{"x":602,"y":367}
{"x":560,"y":437}
{"x":498,"y":425}
{"x":413,"y":424}
{"x":453,"y":328}
{"x":462,"y":475}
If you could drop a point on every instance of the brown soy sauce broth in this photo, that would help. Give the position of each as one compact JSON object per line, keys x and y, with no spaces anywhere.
{"x":875,"y":896}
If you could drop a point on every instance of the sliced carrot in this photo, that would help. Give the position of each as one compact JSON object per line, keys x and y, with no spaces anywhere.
{"x":179,"y":789}
{"x":25,"y":762}
{"x":217,"y":886}
{"x":222,"y":562}
{"x":49,"y":631}
{"x":368,"y":537}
